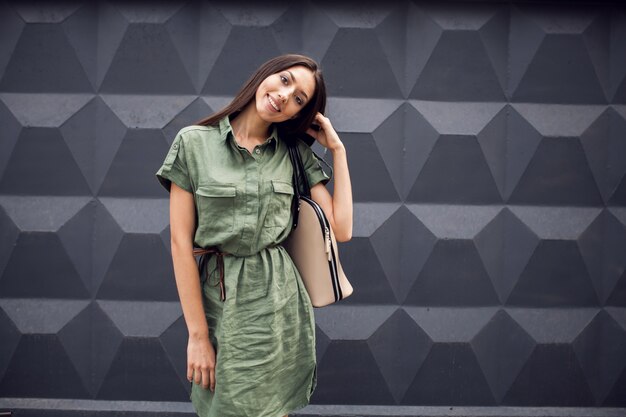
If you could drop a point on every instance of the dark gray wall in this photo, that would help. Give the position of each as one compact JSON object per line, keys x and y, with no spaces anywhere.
{"x":487,"y":148}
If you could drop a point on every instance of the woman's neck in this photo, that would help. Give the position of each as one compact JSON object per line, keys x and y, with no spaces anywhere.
{"x":249,"y":127}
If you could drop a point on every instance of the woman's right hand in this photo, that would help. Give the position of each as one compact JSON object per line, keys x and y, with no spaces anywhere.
{"x":201,"y":362}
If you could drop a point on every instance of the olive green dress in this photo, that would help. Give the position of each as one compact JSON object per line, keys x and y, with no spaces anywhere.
{"x":264,"y":331}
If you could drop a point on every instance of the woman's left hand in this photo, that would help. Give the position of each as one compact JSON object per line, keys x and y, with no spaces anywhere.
{"x":326,"y":136}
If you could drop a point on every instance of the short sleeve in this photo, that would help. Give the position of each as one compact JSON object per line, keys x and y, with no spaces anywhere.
{"x":313,"y":166}
{"x":174,"y":167}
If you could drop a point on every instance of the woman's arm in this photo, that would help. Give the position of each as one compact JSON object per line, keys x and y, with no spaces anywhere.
{"x":200,"y":352}
{"x":338,"y":208}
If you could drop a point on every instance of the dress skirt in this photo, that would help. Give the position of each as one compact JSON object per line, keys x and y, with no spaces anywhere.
{"x":263,"y":335}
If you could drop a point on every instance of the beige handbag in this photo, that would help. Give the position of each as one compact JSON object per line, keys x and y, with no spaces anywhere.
{"x":312,"y":245}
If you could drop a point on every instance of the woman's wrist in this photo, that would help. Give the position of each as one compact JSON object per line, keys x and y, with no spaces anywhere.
{"x":198,"y":334}
{"x":338,"y":148}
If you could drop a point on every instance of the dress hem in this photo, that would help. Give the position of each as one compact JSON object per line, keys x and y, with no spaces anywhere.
{"x":283,"y":412}
{"x":287,"y":411}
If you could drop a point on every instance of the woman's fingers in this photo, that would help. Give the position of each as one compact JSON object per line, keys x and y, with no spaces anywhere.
{"x":205,"y":378}
{"x":212,"y":379}
{"x":189,"y":372}
{"x":321,"y":119}
{"x":197,"y":375}
{"x":312,"y":132}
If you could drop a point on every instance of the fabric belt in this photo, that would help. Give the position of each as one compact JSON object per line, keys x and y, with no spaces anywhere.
{"x":213,"y":250}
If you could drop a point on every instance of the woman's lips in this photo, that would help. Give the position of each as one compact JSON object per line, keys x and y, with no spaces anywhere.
{"x":269,"y":104}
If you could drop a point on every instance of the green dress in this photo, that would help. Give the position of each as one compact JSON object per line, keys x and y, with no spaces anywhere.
{"x":264,"y":331}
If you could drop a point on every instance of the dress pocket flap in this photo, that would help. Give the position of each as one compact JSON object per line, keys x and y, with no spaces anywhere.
{"x":217,"y":190}
{"x":282,"y":187}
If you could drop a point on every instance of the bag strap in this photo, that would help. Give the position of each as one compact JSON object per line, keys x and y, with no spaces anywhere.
{"x":295,"y":203}
{"x":306,"y":189}
{"x":300,"y":183}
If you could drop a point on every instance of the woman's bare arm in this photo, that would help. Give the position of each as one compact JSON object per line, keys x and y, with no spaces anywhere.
{"x":182,"y":225}
{"x":338,"y":207}
{"x":200,"y":352}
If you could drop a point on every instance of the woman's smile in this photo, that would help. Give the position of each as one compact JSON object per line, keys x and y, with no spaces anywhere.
{"x":273,"y":105}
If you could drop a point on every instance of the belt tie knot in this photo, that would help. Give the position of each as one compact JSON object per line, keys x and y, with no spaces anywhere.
{"x":219,"y":265}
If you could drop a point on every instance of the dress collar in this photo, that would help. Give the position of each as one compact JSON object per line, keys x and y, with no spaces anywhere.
{"x":225,"y":128}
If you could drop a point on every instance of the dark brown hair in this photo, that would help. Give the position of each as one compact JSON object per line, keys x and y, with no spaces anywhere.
{"x":288,"y":128}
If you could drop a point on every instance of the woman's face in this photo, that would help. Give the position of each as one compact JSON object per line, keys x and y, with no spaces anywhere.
{"x":281,"y":96}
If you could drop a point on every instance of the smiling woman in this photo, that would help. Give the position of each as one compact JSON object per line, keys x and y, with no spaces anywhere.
{"x":251,"y":347}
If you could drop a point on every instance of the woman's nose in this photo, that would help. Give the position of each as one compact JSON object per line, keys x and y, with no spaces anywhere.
{"x":285,"y":93}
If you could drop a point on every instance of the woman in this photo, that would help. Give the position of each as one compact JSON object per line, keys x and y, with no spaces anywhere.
{"x":251,"y":347}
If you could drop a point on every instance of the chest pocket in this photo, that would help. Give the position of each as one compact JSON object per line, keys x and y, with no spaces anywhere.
{"x":216,"y":208}
{"x":279,"y":205}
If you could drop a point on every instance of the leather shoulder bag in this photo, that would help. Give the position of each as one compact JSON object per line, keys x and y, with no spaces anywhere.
{"x":311,"y":243}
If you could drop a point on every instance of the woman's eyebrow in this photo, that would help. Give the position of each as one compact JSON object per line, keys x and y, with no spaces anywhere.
{"x":294,"y":80}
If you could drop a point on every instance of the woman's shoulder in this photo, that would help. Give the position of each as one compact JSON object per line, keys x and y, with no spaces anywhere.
{"x":193,"y":133}
{"x":302,"y":145}
{"x":197,"y":130}
{"x":306,"y":150}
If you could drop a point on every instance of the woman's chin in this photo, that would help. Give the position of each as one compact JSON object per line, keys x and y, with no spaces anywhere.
{"x":271,"y":118}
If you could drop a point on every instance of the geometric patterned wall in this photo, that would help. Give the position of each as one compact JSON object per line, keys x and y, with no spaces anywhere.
{"x":487,"y":150}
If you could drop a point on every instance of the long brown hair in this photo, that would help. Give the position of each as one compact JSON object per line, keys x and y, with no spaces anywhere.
{"x":289,"y":128}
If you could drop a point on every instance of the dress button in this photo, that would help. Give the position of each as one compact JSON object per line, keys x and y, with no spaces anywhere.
{"x":257,"y":150}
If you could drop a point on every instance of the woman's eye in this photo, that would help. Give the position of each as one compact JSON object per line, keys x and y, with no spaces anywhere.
{"x":299,"y":100}
{"x":282,"y":77}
